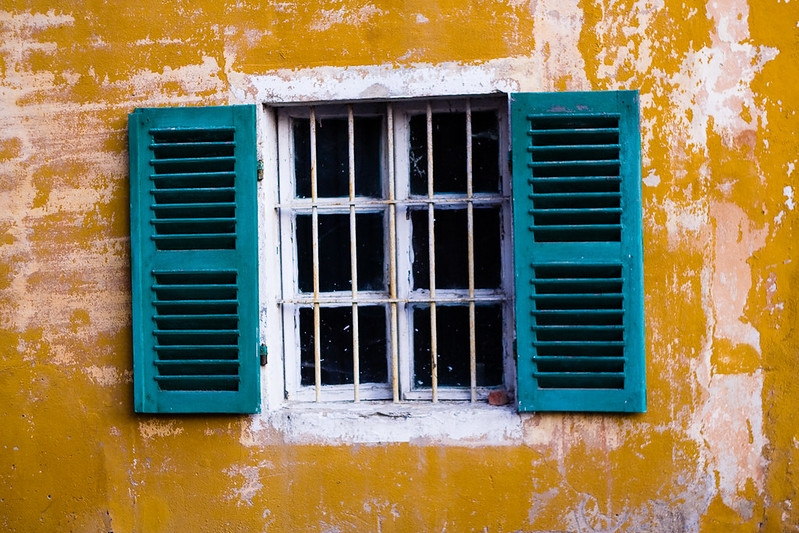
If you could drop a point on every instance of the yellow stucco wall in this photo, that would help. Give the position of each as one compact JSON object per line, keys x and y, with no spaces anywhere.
{"x":716,"y":450}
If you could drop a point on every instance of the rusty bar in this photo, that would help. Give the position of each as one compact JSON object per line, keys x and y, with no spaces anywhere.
{"x":356,"y":366}
{"x":470,"y":254}
{"x":317,"y":352}
{"x":432,"y":258}
{"x":392,"y":257}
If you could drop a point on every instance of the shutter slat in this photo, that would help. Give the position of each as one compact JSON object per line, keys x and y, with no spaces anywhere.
{"x":193,"y":220}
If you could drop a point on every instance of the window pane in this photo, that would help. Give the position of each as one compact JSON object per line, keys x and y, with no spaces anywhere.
{"x":332,"y":155}
{"x":452,"y":269}
{"x":485,"y":151}
{"x":334,"y":252}
{"x":336,"y":345}
{"x":453,"y":345}
{"x":449,"y":153}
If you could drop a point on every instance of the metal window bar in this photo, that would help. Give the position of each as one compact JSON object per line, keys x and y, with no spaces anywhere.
{"x":317,"y":346}
{"x":353,"y":256}
{"x":432,"y":258}
{"x":392,"y":256}
{"x":470,"y":255}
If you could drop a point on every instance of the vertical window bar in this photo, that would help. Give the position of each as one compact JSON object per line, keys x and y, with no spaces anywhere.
{"x":356,"y":372}
{"x":315,"y":244}
{"x":392,"y":256}
{"x":470,"y":253}
{"x":432,"y":255}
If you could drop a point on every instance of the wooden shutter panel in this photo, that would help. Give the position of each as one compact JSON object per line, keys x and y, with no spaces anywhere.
{"x":194,"y":259}
{"x":578,"y":251}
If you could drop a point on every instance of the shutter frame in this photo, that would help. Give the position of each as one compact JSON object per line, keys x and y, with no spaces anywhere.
{"x":203,"y":382}
{"x":555,"y":249}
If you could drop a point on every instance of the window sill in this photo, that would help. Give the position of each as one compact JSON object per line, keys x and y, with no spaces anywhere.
{"x":453,"y":423}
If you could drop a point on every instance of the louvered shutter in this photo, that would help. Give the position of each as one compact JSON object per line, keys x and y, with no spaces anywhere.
{"x":578,"y":251}
{"x":194,"y":259}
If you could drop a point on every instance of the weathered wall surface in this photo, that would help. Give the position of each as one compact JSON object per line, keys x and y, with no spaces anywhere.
{"x":718,"y":447}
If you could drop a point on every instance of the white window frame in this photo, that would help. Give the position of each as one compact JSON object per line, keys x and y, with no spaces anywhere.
{"x":280,"y":198}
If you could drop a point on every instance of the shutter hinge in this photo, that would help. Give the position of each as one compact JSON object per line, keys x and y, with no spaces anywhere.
{"x":260,"y":170}
{"x":263,"y":353}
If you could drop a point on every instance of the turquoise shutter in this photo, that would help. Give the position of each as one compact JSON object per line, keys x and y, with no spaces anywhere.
{"x":194,"y":260}
{"x":578,"y":251}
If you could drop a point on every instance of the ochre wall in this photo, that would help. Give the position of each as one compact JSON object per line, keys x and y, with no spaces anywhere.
{"x":716,"y":450}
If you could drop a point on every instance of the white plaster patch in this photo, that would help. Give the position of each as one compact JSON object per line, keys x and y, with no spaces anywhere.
{"x":714,"y":82}
{"x":379,"y":422}
{"x":732,"y":428}
{"x":421,"y":19}
{"x":735,"y":242}
{"x":788,"y":192}
{"x":684,"y":221}
{"x":651,"y":179}
{"x":327,"y":18}
{"x":558,"y":24}
{"x":381,"y":81}
{"x":156,"y":428}
{"x":251,"y":484}
{"x":107,"y":375}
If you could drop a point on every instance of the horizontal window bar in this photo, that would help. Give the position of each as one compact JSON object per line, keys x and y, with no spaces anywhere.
{"x":366,"y":300}
{"x":358,"y":202}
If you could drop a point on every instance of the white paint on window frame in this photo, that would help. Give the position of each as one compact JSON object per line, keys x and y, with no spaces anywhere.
{"x":372,"y":421}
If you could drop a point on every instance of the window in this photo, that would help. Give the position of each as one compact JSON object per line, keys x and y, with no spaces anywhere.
{"x":545,"y":297}
{"x":380,"y":175}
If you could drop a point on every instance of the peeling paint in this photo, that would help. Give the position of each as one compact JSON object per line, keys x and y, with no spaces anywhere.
{"x":717,"y":449}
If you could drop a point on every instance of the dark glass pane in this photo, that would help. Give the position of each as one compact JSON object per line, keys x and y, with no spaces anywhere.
{"x":449,"y":153}
{"x":302,"y":157}
{"x":487,"y":249}
{"x":334,"y":252}
{"x":485,"y":151}
{"x":368,"y":140}
{"x":453,"y":345}
{"x":452,"y":268}
{"x":332,"y":156}
{"x":335,"y":329}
